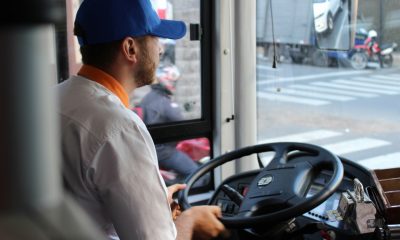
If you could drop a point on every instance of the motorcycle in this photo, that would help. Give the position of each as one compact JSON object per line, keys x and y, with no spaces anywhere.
{"x":197,"y":149}
{"x":370,"y":53}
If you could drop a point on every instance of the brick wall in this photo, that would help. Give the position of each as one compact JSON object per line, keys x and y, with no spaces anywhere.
{"x":187,"y":55}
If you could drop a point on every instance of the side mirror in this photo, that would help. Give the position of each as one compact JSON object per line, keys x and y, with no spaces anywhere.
{"x":334,"y":22}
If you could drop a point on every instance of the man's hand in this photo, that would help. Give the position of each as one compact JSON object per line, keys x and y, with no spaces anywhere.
{"x":203,"y":221}
{"x":175,"y":209}
{"x":173,"y":189}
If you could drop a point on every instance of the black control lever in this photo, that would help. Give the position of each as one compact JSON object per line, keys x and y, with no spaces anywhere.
{"x":234,"y":195}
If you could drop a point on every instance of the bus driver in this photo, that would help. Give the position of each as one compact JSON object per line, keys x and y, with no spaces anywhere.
{"x":109,"y":159}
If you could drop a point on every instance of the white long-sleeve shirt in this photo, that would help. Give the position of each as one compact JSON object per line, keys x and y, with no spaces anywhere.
{"x":110,"y":163}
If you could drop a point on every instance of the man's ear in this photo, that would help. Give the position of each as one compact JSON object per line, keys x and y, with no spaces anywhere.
{"x":130,"y":49}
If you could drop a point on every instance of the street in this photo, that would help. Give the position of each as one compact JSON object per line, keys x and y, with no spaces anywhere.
{"x":354,"y":114}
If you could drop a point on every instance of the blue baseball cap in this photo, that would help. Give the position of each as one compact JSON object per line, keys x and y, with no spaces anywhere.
{"x":103,"y":21}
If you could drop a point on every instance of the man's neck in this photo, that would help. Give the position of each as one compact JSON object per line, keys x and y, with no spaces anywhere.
{"x":124,"y":77}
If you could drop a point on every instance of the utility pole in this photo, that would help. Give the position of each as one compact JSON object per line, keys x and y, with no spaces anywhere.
{"x":381,"y":21}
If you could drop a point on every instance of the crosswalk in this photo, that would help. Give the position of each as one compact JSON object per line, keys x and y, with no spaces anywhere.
{"x":337,"y":89}
{"x":340,"y":144}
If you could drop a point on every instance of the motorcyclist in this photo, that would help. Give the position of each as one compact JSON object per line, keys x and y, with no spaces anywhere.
{"x":157,"y":107}
{"x":373,"y":47}
{"x":372,"y":41}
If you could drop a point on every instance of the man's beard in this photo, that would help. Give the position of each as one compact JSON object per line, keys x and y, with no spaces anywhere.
{"x":146,"y":72}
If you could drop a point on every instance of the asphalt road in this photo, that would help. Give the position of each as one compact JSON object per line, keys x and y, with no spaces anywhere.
{"x":353,"y":113}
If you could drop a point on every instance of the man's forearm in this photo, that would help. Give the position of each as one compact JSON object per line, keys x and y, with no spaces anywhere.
{"x":184,"y":227}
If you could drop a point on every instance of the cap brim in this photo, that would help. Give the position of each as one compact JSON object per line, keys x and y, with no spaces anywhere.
{"x":170,"y":29}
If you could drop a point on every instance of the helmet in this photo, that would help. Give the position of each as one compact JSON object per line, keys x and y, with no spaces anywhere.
{"x":372,"y":34}
{"x":167,"y":76}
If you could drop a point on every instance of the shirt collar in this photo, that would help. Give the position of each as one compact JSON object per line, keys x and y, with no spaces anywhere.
{"x":106,"y":80}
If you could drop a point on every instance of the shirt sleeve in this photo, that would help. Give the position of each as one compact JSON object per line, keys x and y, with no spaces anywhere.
{"x":130,"y":187}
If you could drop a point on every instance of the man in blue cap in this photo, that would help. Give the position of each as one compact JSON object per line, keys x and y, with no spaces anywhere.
{"x":109,"y":160}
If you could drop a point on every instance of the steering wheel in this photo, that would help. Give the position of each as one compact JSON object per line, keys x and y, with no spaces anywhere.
{"x":278,"y":192}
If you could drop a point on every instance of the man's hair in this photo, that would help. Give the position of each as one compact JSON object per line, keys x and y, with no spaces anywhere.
{"x":100,"y":55}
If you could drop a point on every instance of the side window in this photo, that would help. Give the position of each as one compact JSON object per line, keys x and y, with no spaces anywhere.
{"x":179,"y":86}
{"x":176,"y":97}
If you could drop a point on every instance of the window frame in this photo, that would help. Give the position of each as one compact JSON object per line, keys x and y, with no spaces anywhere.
{"x":201,"y":127}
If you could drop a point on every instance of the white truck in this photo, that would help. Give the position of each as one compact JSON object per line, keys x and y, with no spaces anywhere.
{"x":291,"y":27}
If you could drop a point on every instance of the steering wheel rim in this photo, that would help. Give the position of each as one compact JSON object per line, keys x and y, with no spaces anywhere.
{"x":280,"y":161}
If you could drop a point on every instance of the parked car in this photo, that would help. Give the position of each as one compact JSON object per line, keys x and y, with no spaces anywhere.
{"x":325,"y":12}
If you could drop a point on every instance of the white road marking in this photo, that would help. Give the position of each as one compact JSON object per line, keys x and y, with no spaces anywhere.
{"x":355,"y":145}
{"x":377,"y":81}
{"x":330,"y":90}
{"x":265,"y":76}
{"x":304,"y":136}
{"x":394,"y":77}
{"x":312,"y":94}
{"x":341,"y":86}
{"x":310,"y":77}
{"x":391,"y":160}
{"x":286,"y":98}
{"x":370,"y":85}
